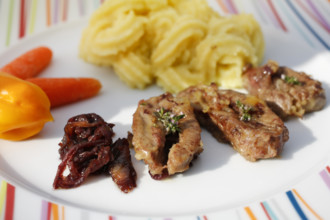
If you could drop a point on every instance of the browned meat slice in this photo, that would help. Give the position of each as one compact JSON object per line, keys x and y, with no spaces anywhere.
{"x":167,"y":146}
{"x":242,"y":120}
{"x":287,"y":92}
{"x":121,"y":168}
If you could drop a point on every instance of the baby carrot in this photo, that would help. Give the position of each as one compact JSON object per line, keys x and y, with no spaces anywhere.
{"x":62,"y":91}
{"x":29,"y":64}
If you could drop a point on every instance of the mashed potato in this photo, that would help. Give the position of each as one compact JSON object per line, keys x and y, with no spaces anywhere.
{"x":175,"y":43}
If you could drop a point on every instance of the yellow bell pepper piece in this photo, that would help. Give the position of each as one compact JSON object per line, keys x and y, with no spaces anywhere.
{"x":24,"y":108}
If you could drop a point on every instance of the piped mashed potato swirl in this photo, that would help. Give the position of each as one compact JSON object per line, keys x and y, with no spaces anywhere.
{"x":175,"y":43}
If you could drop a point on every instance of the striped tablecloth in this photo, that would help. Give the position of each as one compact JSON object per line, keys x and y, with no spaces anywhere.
{"x":305,"y":19}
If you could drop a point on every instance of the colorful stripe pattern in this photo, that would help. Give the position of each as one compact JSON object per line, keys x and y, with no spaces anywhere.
{"x":270,"y":209}
{"x":307,"y":25}
{"x":273,"y":212}
{"x":35,"y":16}
{"x":309,"y":19}
{"x":52,"y":211}
{"x":302,"y":16}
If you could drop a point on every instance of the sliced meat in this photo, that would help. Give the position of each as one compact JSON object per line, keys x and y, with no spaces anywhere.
{"x":165,"y":152}
{"x":244,"y":121}
{"x":121,"y":168}
{"x":287,"y":92}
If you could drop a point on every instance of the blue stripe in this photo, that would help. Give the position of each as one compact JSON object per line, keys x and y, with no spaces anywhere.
{"x":270,"y":211}
{"x":97,"y":4}
{"x":296,"y":205}
{"x":307,"y":25}
{"x":287,"y":13}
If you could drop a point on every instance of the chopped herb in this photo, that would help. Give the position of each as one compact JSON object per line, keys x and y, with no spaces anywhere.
{"x":245,"y":110}
{"x":290,"y":80}
{"x":169,"y":120}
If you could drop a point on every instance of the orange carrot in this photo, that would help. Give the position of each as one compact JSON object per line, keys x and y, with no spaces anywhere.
{"x":30,"y":63}
{"x":62,"y":91}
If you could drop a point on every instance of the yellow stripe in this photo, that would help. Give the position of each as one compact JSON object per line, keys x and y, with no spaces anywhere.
{"x":3,"y":190}
{"x":33,"y":16}
{"x":10,"y":22}
{"x":55,"y":212}
{"x":305,"y":203}
{"x":250,"y":213}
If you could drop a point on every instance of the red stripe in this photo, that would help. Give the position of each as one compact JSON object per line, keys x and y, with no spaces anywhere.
{"x":10,"y":199}
{"x":204,"y":217}
{"x":279,"y":20}
{"x":328,"y":169}
{"x":22,"y":19}
{"x":49,"y":210}
{"x":65,"y":10}
{"x":265,"y":210}
{"x":233,"y":7}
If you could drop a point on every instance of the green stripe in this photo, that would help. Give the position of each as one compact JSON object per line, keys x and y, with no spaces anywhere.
{"x":10,"y":21}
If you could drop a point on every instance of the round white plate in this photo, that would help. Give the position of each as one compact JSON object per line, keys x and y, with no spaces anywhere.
{"x":220,"y":180}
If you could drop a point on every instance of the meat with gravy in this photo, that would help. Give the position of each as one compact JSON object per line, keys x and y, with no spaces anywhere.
{"x":244,"y":121}
{"x":165,"y":154}
{"x":287,"y":92}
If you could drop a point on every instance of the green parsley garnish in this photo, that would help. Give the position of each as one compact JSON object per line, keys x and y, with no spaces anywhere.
{"x":245,"y":110}
{"x":169,"y":120}
{"x":290,"y":80}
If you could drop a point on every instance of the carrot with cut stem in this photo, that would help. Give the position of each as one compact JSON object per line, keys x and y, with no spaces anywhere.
{"x":62,"y":91}
{"x":29,"y":64}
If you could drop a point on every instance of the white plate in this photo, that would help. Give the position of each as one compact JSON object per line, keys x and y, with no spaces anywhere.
{"x":220,"y":179}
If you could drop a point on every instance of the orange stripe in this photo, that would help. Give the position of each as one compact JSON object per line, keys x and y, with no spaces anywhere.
{"x":48,"y":13}
{"x":55,"y":212}
{"x":63,"y":213}
{"x":305,"y":203}
{"x":223,"y":7}
{"x":250,"y":213}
